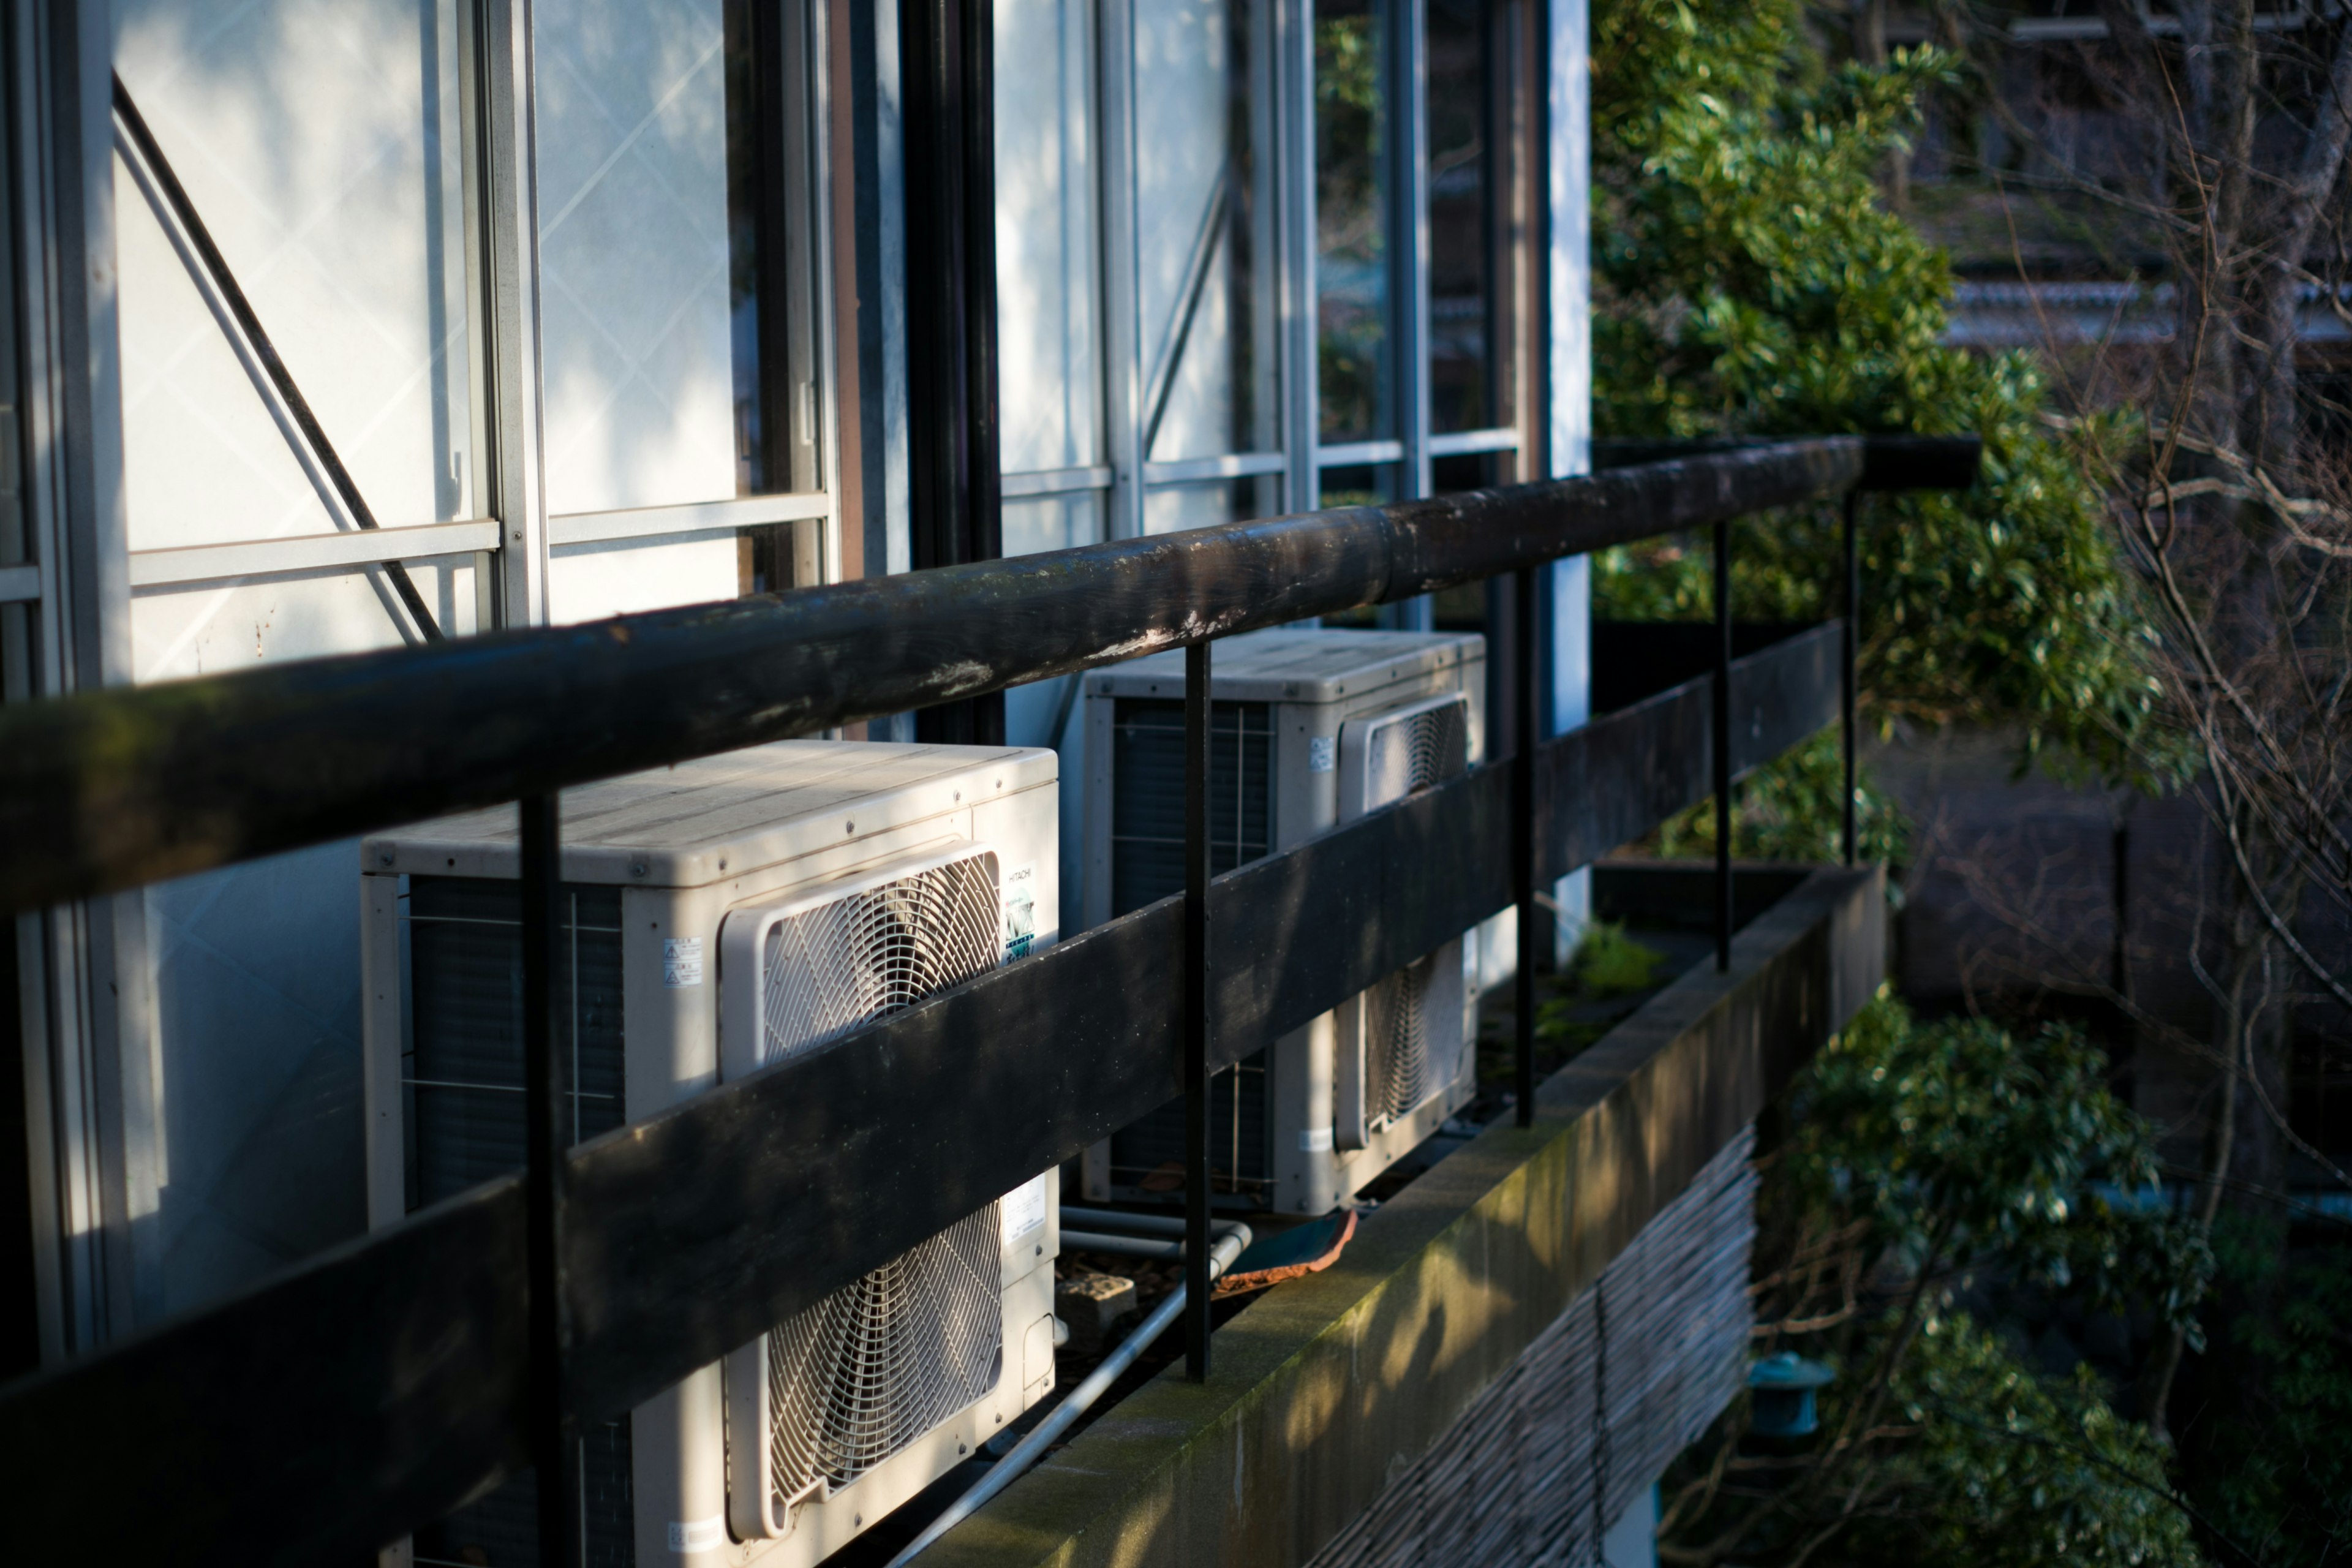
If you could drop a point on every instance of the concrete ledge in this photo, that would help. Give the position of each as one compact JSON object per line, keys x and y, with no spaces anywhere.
{"x":1328,"y":1386}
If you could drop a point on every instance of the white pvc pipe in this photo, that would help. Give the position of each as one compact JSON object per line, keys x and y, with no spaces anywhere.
{"x":1031,"y":1448}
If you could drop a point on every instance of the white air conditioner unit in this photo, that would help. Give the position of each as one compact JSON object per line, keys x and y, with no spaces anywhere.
{"x":1309,"y":728}
{"x":720,"y":916}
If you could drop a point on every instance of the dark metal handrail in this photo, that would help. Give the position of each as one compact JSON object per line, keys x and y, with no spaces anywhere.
{"x":111,"y":789}
{"x":378,"y":1386}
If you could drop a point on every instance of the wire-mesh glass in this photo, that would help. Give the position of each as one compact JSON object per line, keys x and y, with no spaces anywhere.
{"x":855,"y":1378}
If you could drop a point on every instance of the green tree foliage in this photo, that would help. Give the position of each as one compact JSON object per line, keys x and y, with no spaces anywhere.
{"x":2011,"y":1470}
{"x":1917,"y":1154}
{"x":1962,"y":1142}
{"x":1788,"y":811}
{"x":1750,"y":282}
{"x":2277,"y":1471}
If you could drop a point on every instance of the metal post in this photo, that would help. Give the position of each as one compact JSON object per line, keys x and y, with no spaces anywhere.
{"x":1196,"y":1011}
{"x":1523,"y":835}
{"x":1849,"y":640}
{"x":1722,"y":747}
{"x":948,"y":80}
{"x":545,"y":1137}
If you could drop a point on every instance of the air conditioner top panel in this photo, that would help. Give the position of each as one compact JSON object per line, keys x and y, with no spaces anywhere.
{"x":1298,"y":664}
{"x":723,"y":817}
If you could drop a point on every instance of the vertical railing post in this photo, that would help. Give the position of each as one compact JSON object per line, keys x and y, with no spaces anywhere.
{"x":546,"y":1135}
{"x":1722,"y":747}
{"x":948,"y":79}
{"x":1523,"y":837}
{"x":1196,"y":1011}
{"x":1849,"y":645}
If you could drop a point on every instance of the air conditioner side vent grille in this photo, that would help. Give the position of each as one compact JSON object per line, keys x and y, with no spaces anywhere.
{"x":1397,"y":1055}
{"x":1423,"y":747}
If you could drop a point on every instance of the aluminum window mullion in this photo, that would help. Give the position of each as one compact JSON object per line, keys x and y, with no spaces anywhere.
{"x":1466,"y":443}
{"x":1295,"y":77}
{"x":1409,"y":140}
{"x":512,"y":481}
{"x":1032,"y":482}
{"x":83,"y":995}
{"x":1224,"y":466}
{"x":1408,"y":90}
{"x":1266,"y":270}
{"x":1122,"y":351}
{"x":816,"y":176}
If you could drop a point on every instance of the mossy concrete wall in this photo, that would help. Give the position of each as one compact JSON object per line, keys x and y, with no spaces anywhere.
{"x":1327,"y":1387}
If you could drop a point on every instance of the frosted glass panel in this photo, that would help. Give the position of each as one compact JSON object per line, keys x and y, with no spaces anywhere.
{"x":319,"y":142}
{"x":1173,"y":508}
{"x":1205,"y":215}
{"x":633,"y":264}
{"x":1052,"y":522}
{"x":591,"y":582}
{"x":1049,"y":342}
{"x":205,"y":628}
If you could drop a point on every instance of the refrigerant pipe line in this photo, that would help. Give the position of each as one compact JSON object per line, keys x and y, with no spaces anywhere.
{"x":1230,"y":1245}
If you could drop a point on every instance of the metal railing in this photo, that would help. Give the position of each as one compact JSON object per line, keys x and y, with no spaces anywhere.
{"x":375,"y":1387}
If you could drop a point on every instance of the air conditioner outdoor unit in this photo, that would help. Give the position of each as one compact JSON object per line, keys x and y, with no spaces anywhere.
{"x":720,"y":916}
{"x":1309,"y":728}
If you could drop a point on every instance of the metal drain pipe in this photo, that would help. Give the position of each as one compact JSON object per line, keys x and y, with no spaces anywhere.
{"x":1230,"y":1245}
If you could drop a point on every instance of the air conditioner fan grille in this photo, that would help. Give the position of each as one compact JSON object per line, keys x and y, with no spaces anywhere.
{"x":855,"y":1378}
{"x":871,"y":1367}
{"x":871,"y":952}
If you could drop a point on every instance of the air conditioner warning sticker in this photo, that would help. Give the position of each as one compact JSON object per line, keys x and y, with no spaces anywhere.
{"x":1019,"y":903}
{"x":681,"y":962}
{"x":1023,"y":1209}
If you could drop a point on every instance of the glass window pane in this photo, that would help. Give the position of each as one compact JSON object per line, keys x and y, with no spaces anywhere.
{"x":670,"y":257}
{"x":1033,"y":523}
{"x":1204,"y":217}
{"x":1469,"y":104}
{"x":1049,"y":343}
{"x":1170,"y":509}
{"x":1351,"y":221}
{"x":319,"y":142}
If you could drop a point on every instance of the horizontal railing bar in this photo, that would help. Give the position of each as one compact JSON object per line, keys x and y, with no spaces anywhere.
{"x":382,"y":1384}
{"x":109,"y":790}
{"x":19,"y":584}
{"x":309,"y":552}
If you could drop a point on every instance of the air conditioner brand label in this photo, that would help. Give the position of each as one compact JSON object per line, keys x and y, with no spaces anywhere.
{"x":681,"y":962}
{"x":1020,"y":902}
{"x":1322,"y":753}
{"x":698,"y":1534}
